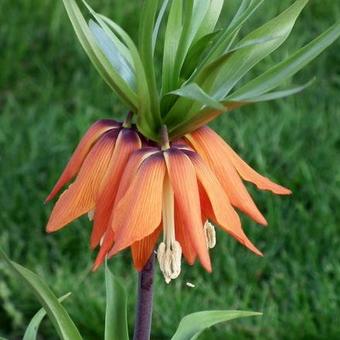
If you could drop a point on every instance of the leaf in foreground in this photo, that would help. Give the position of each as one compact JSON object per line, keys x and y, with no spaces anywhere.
{"x":192,"y":325}
{"x":33,"y":327}
{"x":55,"y":311}
{"x":116,"y":326}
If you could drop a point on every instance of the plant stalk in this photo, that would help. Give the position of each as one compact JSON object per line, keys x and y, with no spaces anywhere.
{"x":144,"y":301}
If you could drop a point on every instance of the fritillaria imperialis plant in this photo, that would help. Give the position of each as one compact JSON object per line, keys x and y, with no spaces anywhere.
{"x":161,"y":180}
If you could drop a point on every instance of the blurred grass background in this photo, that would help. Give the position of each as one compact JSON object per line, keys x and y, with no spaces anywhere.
{"x":50,"y":94}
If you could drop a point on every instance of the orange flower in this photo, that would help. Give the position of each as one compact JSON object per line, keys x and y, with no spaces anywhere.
{"x":174,"y":191}
{"x":101,"y":154}
{"x":229,"y":168}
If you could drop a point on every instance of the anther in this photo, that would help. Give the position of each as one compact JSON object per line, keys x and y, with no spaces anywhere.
{"x":90,"y":215}
{"x":169,"y":259}
{"x":210,"y":234}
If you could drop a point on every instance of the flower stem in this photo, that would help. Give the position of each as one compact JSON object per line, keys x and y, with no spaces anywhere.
{"x":128,"y":120}
{"x":165,"y":138}
{"x":144,"y":301}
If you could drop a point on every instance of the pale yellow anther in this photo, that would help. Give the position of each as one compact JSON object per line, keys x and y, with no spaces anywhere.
{"x":210,"y":234}
{"x":90,"y":215}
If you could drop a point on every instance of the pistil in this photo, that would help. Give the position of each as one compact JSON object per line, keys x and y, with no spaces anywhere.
{"x":169,"y":252}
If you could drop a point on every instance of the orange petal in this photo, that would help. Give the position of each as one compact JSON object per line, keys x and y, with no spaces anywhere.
{"x":86,"y":143}
{"x":182,"y":236}
{"x":131,"y":169}
{"x":80,"y":197}
{"x":245,"y":171}
{"x":223,"y":212}
{"x":139,"y":212}
{"x":214,"y":155}
{"x":184,"y":183}
{"x":127,"y":142}
{"x":142,"y":250}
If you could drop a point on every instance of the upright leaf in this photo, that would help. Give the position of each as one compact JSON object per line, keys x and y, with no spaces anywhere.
{"x":116,"y":326}
{"x":158,"y":23}
{"x":33,"y":327}
{"x":97,"y":57}
{"x":146,"y":52}
{"x":287,"y":68}
{"x":172,"y":36}
{"x":55,"y":311}
{"x":194,"y":324}
{"x":209,"y":22}
{"x":245,"y":11}
{"x":113,"y":54}
{"x":243,"y":60}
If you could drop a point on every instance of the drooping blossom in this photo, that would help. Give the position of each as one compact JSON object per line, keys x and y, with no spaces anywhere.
{"x":101,"y":155}
{"x":169,"y":190}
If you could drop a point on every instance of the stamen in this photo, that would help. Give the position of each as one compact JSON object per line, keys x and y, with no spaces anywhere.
{"x":90,"y":215}
{"x":169,"y":252}
{"x":210,"y":234}
{"x":170,"y":260}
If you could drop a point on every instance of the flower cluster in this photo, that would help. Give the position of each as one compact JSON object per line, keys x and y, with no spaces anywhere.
{"x":135,"y":191}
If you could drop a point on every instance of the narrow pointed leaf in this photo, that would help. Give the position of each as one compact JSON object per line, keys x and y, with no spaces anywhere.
{"x":172,"y":37}
{"x":116,"y":326}
{"x":274,"y":95}
{"x":287,"y":68}
{"x":55,"y":311}
{"x":185,"y":109}
{"x":31,"y":332}
{"x":246,"y":9}
{"x":113,"y":54}
{"x":194,"y":92}
{"x":196,"y":52}
{"x":158,"y":23}
{"x":146,"y":52}
{"x":210,"y":20}
{"x":192,"y":325}
{"x":97,"y":57}
{"x":147,"y":123}
{"x":245,"y":59}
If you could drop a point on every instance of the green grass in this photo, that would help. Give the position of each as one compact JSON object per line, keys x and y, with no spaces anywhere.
{"x":50,"y":94}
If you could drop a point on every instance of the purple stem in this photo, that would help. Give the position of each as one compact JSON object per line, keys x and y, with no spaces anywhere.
{"x":144,"y":302}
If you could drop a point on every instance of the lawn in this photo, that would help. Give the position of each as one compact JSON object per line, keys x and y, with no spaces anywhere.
{"x":50,"y":94}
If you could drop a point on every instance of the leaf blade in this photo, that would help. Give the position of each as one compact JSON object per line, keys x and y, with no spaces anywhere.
{"x":98,"y":59}
{"x":56,"y":312}
{"x":192,"y":325}
{"x":116,"y":327}
{"x":33,"y":327}
{"x":287,"y":68}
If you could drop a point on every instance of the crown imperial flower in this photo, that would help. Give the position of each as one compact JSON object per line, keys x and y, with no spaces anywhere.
{"x":138,"y":181}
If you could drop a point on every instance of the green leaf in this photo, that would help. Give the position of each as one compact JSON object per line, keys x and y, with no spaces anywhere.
{"x":192,"y":325}
{"x":113,"y":54}
{"x":196,"y":52}
{"x":210,"y":20}
{"x":185,"y":109}
{"x":98,"y":58}
{"x":55,"y":311}
{"x":245,"y":11}
{"x":172,"y":36}
{"x":116,"y":325}
{"x":287,"y":68}
{"x":147,"y":55}
{"x":147,"y":123}
{"x":32,"y":329}
{"x":273,"y":95}
{"x":194,"y":92}
{"x":245,"y":59}
{"x":158,"y":24}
